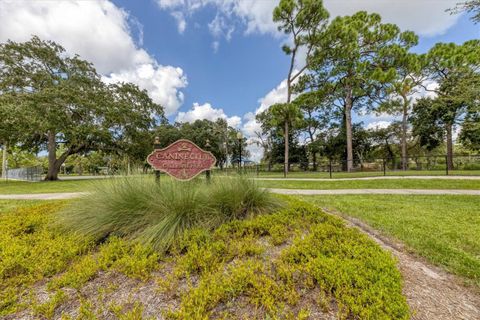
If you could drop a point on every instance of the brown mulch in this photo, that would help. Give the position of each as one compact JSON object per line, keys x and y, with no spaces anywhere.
{"x":431,"y":293}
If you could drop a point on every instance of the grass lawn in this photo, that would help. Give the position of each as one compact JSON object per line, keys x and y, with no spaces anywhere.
{"x":20,"y":187}
{"x":80,"y":185}
{"x":310,"y":174}
{"x":296,"y":263}
{"x":443,"y":229}
{"x":373,"y":184}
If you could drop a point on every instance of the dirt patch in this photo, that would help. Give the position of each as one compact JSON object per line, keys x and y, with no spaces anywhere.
{"x":431,"y":292}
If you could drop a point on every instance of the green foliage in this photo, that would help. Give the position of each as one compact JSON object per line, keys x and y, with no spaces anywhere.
{"x":133,"y":260}
{"x":222,"y":139}
{"x":157,"y":214}
{"x":266,"y":265}
{"x":426,"y":123}
{"x":356,"y":59}
{"x":342,"y":262}
{"x":48,"y":96}
{"x":47,"y":309}
{"x":30,"y":250}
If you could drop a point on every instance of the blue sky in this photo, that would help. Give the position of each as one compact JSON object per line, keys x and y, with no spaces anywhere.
{"x":205,"y":58}
{"x":244,"y":68}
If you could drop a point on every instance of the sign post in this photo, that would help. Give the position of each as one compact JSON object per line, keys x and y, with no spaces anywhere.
{"x":182,"y":160}
{"x":207,"y":172}
{"x":156,"y":145}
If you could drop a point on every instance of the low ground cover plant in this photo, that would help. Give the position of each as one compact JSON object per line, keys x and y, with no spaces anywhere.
{"x":157,"y":214}
{"x":295,"y":263}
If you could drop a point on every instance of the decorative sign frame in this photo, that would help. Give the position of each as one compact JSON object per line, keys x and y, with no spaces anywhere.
{"x":182,"y":160}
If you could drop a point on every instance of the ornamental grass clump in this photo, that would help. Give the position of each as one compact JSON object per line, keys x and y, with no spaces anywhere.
{"x":157,"y":214}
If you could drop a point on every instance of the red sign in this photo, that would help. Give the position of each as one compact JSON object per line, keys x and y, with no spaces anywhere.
{"x":182,"y":160}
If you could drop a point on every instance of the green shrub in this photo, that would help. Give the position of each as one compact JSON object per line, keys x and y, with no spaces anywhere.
{"x":471,"y":166}
{"x":274,"y":266}
{"x":340,"y":261}
{"x":157,"y":214}
{"x":31,"y":250}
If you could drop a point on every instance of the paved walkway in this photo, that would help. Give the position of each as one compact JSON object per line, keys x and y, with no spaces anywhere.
{"x":376,"y":178}
{"x":42,"y":196}
{"x":59,"y":196}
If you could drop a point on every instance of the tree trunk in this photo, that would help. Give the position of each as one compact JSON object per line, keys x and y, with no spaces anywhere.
{"x":53,"y":168}
{"x":4,"y":160}
{"x":449,"y":128}
{"x":285,"y":165}
{"x":314,"y":154}
{"x":55,"y":164}
{"x":348,"y":129}
{"x":404,"y":135}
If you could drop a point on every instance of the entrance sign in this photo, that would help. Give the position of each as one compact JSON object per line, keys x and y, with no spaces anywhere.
{"x":183,"y":160}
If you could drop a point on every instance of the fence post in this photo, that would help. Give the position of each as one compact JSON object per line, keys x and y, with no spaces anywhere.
{"x":384,"y":167}
{"x":330,"y":167}
{"x":446,"y":164}
{"x":258,"y":170}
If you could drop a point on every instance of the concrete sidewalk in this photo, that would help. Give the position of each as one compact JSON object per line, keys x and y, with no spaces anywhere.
{"x":42,"y":196}
{"x":59,"y":196}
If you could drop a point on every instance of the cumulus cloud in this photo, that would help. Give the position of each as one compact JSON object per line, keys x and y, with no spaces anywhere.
{"x":256,"y":16}
{"x":99,"y":32}
{"x":162,"y":83}
{"x":207,"y":112}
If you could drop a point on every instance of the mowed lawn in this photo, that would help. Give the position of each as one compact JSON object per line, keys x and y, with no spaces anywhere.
{"x":80,"y":185}
{"x":443,"y":229}
{"x":374,"y":184}
{"x":19,"y":187}
{"x":339,"y":175}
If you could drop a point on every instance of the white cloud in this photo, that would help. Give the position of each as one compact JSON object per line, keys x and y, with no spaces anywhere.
{"x":99,"y":32}
{"x":277,"y":95}
{"x":427,"y":90}
{"x":425,"y":17}
{"x":161,"y":82}
{"x":218,"y":27}
{"x":251,"y":127}
{"x":215,"y":46}
{"x":378,"y":125}
{"x":207,"y":112}
{"x":181,"y":22}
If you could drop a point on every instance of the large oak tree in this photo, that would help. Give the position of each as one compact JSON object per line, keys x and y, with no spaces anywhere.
{"x":61,"y":100}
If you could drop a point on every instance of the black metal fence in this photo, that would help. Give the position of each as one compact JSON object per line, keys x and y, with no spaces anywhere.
{"x":331,"y":168}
